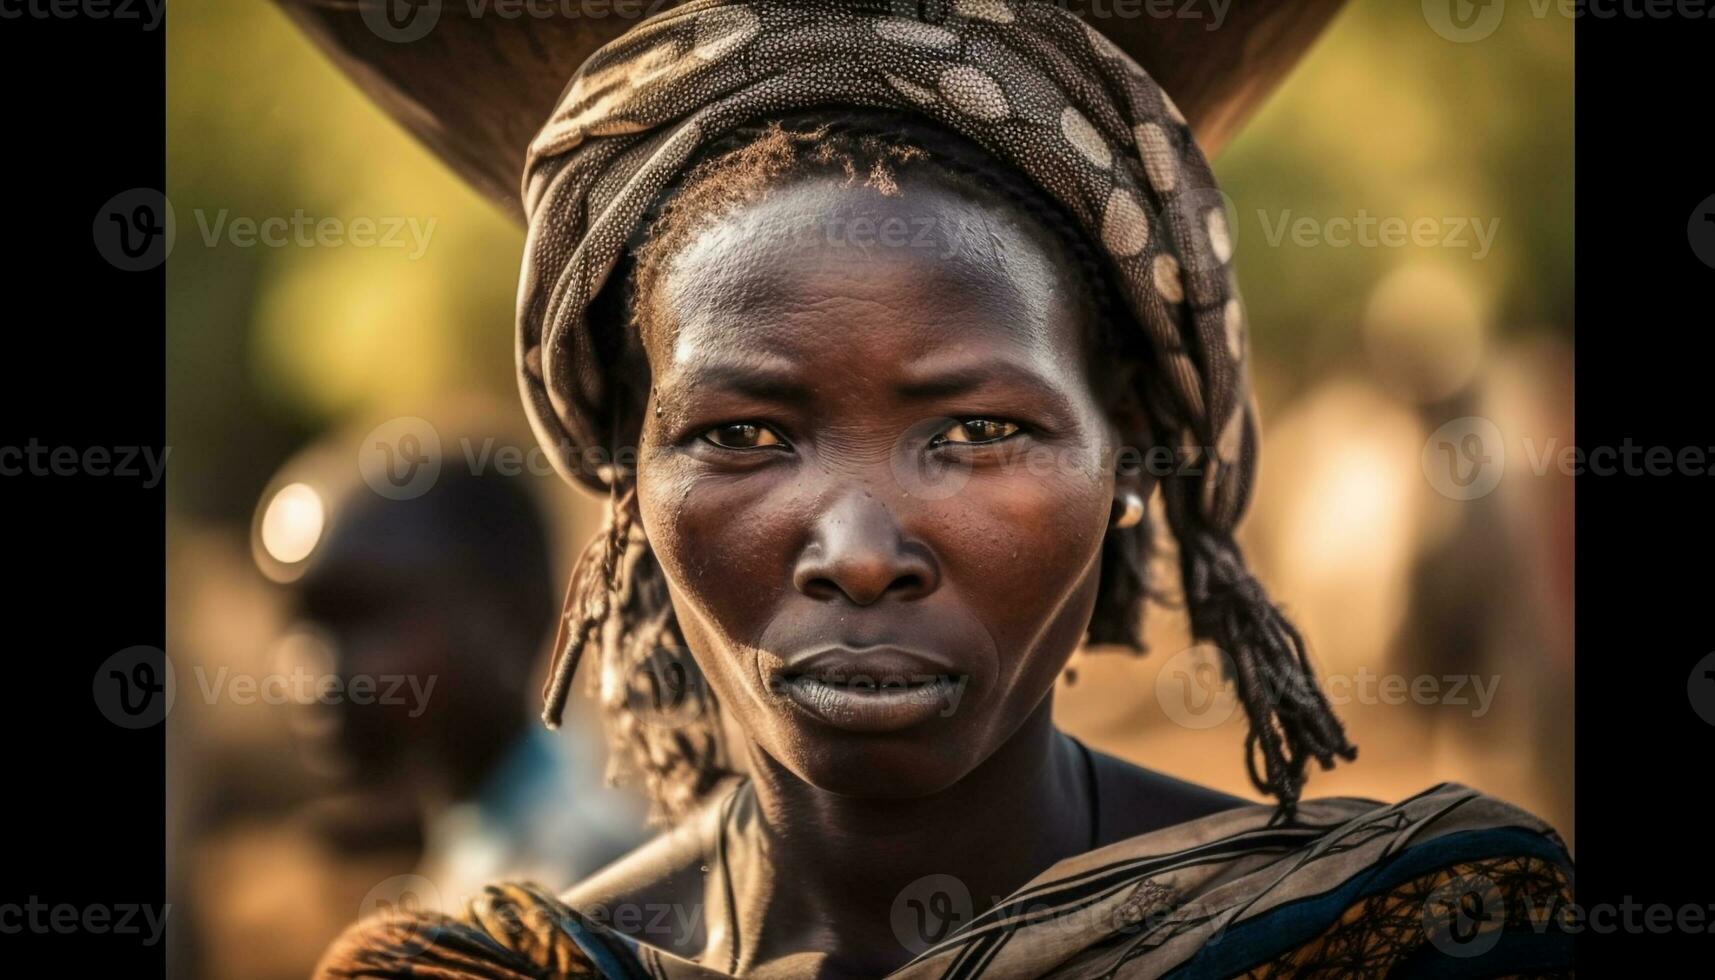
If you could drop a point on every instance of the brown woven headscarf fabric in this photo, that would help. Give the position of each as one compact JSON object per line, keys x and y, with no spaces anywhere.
{"x":1046,"y":95}
{"x":1026,"y":80}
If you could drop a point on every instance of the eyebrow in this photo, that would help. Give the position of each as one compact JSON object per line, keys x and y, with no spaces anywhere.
{"x":966,"y":377}
{"x":780,"y":382}
{"x":764,"y":383}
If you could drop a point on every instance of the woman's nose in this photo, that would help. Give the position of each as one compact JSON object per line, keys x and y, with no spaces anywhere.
{"x":857,"y":550}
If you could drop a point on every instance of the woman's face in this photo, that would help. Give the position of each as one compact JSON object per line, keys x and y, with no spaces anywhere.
{"x":876,"y":475}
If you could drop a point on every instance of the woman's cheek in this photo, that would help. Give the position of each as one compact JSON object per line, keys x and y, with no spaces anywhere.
{"x":722,"y":544}
{"x":1020,"y":543}
{"x":1035,"y":528}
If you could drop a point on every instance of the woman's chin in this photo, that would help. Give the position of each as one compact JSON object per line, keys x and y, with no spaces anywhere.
{"x":881,"y":767}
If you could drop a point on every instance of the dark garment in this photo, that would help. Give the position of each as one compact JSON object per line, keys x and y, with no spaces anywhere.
{"x":1450,"y":882}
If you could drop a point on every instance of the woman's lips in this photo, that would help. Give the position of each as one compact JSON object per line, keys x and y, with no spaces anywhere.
{"x":872,"y":709}
{"x":874,"y":689}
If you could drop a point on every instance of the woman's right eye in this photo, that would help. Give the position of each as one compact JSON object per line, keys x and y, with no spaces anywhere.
{"x":742,"y":435}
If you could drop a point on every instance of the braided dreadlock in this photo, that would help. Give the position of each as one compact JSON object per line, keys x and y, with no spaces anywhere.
{"x":663,"y":721}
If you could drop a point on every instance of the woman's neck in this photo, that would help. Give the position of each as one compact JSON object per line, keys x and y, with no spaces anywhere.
{"x":802,"y":859}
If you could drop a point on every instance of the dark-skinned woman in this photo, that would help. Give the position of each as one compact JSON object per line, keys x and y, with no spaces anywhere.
{"x":866,"y":319}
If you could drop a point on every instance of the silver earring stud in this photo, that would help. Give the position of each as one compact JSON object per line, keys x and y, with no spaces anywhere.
{"x":1128,"y":510}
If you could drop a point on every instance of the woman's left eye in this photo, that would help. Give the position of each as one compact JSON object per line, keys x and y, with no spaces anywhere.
{"x":742,"y":435}
{"x":977,"y":431}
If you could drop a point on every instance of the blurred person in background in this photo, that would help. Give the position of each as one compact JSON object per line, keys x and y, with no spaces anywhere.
{"x":421,"y":616}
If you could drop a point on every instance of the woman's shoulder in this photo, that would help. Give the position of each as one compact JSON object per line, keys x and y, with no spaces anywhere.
{"x":1425,"y":883}
{"x":1448,"y":812}
{"x":1139,"y":803}
{"x":1135,"y":800}
{"x":1486,"y":836}
{"x":1444,"y":823}
{"x":511,"y":931}
{"x":515,"y":930}
{"x":1448,"y":878}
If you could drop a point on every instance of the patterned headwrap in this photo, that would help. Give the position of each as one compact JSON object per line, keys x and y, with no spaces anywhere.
{"x":1025,"y":80}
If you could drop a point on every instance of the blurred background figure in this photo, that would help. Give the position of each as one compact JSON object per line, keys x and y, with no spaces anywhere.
{"x":389,"y":749}
{"x":429,"y":609}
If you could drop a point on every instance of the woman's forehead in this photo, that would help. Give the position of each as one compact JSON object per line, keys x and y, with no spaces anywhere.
{"x":817,"y":264}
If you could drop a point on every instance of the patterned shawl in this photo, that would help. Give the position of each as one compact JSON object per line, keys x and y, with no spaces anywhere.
{"x":1450,"y":882}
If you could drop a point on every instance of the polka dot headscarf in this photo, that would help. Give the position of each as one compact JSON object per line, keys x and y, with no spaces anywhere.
{"x":1026,"y":80}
